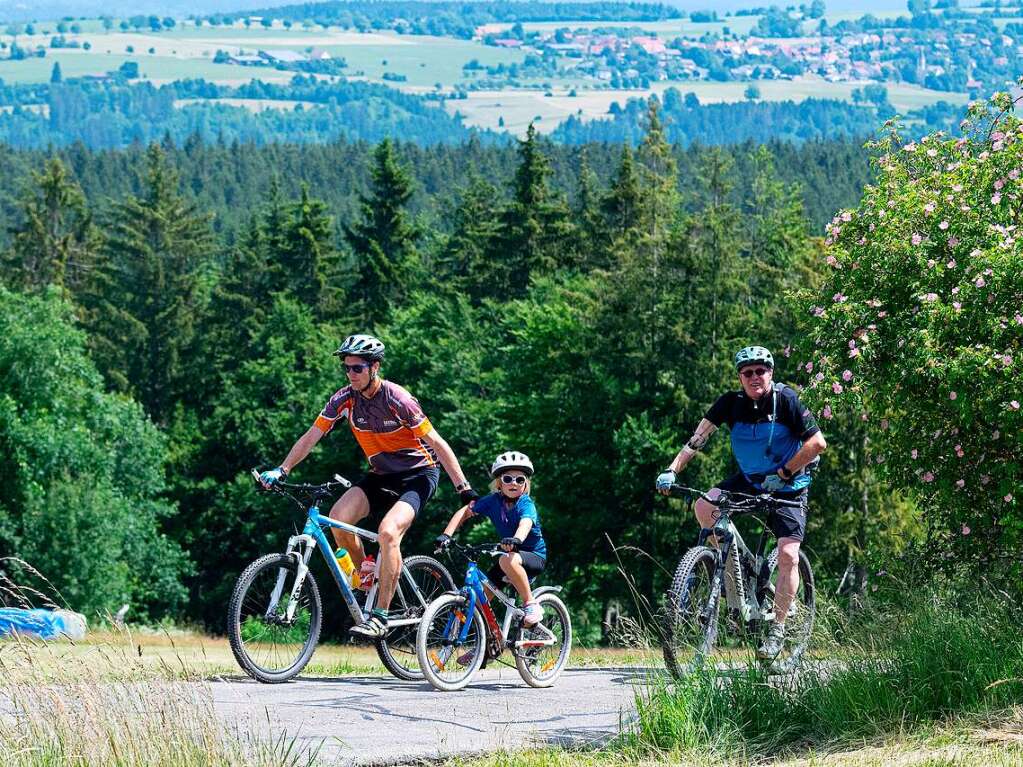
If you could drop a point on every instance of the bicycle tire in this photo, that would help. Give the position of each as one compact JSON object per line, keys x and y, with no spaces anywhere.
{"x":431,"y":636}
{"x":397,"y":650}
{"x":797,"y":639}
{"x":241,"y":600}
{"x":683,"y":636}
{"x":550,"y":670}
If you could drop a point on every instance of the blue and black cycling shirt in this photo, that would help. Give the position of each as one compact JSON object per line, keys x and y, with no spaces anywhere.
{"x":506,"y":520}
{"x":750,"y":424}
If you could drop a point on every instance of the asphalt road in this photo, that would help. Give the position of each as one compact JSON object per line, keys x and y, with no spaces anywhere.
{"x":381,"y":720}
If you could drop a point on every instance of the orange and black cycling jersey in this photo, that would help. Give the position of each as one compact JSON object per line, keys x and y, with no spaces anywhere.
{"x":389,"y":427}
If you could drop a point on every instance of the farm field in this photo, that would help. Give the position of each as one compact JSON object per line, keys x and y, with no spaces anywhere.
{"x":518,"y":108}
{"x":189,"y":52}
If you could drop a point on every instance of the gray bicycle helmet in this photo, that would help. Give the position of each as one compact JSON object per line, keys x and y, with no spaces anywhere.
{"x":512,"y":460}
{"x":359,"y":345}
{"x":754,"y":354}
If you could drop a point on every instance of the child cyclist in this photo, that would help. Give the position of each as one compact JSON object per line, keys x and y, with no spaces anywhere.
{"x":514,"y":515}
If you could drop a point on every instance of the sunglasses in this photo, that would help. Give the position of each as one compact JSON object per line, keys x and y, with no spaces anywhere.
{"x":508,"y":479}
{"x":759,"y":373}
{"x":355,"y":368}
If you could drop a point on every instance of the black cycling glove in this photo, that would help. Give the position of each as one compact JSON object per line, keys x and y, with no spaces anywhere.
{"x":442,"y":541}
{"x":515,"y":543}
{"x":467,"y":496}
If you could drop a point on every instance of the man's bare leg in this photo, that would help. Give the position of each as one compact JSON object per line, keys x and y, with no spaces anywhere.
{"x":351,"y":508}
{"x":392,"y":529}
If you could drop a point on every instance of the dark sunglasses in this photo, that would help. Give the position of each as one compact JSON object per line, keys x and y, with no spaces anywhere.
{"x":508,"y":479}
{"x":759,"y":372}
{"x":355,"y":368}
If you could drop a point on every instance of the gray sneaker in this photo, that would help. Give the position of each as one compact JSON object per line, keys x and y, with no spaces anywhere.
{"x":773,"y":642}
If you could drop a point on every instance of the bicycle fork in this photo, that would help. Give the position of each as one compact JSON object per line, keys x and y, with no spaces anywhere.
{"x":302,"y":569}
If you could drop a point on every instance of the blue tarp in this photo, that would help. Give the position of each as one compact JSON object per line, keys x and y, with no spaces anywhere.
{"x":44,"y":624}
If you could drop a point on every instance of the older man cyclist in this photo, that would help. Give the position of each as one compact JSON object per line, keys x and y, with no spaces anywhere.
{"x":403,"y":450}
{"x":774,"y":438}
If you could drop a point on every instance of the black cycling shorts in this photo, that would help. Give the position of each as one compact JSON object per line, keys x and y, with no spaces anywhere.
{"x":786,"y":522}
{"x":532,"y":563}
{"x":414,"y":487}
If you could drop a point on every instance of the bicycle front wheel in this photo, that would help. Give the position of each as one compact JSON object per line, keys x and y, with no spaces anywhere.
{"x":427,"y":579}
{"x":271,"y":638}
{"x":692,"y":609}
{"x":540,"y":665}
{"x":448,"y":659}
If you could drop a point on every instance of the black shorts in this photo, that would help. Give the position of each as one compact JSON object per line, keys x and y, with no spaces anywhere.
{"x":786,"y":522}
{"x":532,"y":563}
{"x":414,"y":487}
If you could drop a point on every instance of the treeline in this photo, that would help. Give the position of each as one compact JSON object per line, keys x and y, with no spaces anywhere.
{"x":229,"y":180}
{"x":114,"y":114}
{"x":583,"y":307}
{"x":687,"y":120}
{"x":452,"y":19}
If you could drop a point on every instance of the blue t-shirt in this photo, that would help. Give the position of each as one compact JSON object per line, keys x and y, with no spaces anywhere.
{"x":757,"y":451}
{"x":506,"y":520}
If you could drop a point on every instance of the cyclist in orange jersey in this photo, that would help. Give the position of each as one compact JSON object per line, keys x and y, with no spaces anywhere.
{"x":404,"y":452}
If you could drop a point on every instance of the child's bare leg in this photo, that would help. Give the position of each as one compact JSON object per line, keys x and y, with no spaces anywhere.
{"x":511,"y":565}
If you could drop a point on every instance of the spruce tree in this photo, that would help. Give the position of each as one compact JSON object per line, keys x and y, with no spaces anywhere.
{"x":56,"y":242}
{"x":466,"y":260}
{"x":537,"y":236}
{"x":144,"y":309}
{"x":383,"y":240}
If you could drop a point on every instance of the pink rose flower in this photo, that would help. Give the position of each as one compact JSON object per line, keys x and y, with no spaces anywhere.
{"x":961,"y":483}
{"x":943,"y":225}
{"x":847,"y":375}
{"x":836,"y":387}
{"x":927,"y":477}
{"x":1008,"y":498}
{"x":979,"y":282}
{"x":916,"y":239}
{"x":1014,"y":405}
{"x":827,"y":412}
{"x":953,"y":395}
{"x":996,"y":198}
{"x":966,"y":529}
{"x":951,"y":264}
{"x":809,"y":367}
{"x":913,"y":454}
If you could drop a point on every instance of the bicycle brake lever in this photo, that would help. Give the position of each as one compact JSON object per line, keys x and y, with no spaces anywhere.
{"x":342,"y":480}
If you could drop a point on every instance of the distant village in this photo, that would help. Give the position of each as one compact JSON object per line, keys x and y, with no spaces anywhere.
{"x":882,"y":56}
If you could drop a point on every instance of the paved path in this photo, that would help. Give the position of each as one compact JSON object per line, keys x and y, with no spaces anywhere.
{"x":381,"y":720}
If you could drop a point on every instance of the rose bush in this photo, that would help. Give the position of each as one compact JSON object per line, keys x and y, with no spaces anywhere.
{"x":918,"y":325}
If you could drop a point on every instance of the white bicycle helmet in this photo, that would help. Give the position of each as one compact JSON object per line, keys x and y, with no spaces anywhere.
{"x":754,"y":354}
{"x":512,"y":460}
{"x":360,"y":345}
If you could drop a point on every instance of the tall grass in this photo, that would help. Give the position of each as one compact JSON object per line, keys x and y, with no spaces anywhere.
{"x":60,"y":705}
{"x":918,"y":666}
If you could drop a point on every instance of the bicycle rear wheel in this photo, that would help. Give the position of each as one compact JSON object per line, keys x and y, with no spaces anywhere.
{"x":692,"y":613}
{"x":268,"y":645}
{"x":540,"y":666}
{"x":448,"y":661}
{"x":397,"y":650}
{"x":802,"y":613}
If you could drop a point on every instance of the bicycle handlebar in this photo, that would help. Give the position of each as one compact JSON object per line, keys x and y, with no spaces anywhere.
{"x":315,"y":492}
{"x":471,"y":552}
{"x":732,"y":501}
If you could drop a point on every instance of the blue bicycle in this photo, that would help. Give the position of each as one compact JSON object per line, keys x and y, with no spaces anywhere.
{"x":275,"y":613}
{"x":459,"y":633}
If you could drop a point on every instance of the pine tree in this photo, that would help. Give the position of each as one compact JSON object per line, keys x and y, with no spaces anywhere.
{"x":145,"y":306}
{"x":303,"y":249}
{"x":57,"y":241}
{"x":383,"y":241}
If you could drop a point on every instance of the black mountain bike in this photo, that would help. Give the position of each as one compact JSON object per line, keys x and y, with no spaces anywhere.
{"x":703,"y":630}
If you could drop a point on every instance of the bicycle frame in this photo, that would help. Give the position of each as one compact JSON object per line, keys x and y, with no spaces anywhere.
{"x":301,"y":547}
{"x":749,"y":562}
{"x":477,"y":598}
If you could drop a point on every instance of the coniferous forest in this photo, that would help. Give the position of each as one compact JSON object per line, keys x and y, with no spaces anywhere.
{"x":169,"y":314}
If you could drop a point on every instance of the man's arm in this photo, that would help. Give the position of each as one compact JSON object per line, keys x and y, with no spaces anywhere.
{"x":811,"y":448}
{"x":447,"y":459}
{"x":301,"y":448}
{"x":695,"y":444}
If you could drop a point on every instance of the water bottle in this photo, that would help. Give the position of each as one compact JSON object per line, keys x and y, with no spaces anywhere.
{"x":344,"y":561}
